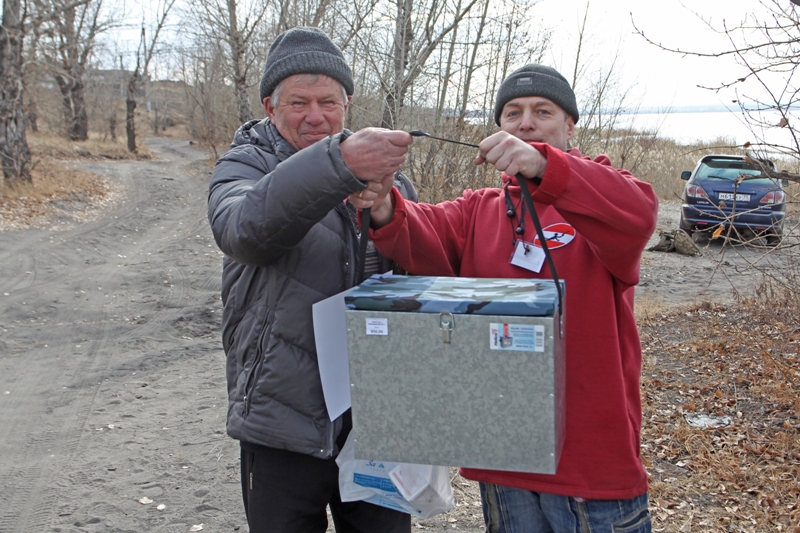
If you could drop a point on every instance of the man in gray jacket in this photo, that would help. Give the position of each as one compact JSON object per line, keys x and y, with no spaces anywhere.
{"x":277,"y":210}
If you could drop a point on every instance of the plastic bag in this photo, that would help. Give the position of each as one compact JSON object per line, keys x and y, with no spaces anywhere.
{"x":420,"y":490}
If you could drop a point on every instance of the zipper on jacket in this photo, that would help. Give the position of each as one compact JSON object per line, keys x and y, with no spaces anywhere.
{"x":353,"y":245}
{"x":256,"y":368}
{"x":329,"y":449}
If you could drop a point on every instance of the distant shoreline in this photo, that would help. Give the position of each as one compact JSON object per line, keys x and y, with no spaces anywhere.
{"x":701,"y":109}
{"x":688,"y":125}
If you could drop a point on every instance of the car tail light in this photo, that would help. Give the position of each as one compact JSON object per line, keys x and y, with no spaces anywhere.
{"x":774,"y":197}
{"x":695,"y":191}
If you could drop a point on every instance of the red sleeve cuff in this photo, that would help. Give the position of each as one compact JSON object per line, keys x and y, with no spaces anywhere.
{"x":398,"y":218}
{"x":555,"y":176}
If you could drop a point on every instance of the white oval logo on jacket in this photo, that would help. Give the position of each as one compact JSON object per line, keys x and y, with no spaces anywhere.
{"x":557,"y":235}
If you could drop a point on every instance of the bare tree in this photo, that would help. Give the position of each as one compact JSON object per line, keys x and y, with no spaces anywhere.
{"x":766,"y":44}
{"x":489,"y":44}
{"x":210,"y":113}
{"x":413,"y":46}
{"x":425,"y":66}
{"x":292,"y":13}
{"x":14,"y":151}
{"x":144,"y":55}
{"x":16,"y":157}
{"x":607,"y":105}
{"x":473,"y":56}
{"x":223,"y":22}
{"x":70,"y":40}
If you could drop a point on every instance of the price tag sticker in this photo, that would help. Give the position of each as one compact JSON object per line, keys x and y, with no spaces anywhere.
{"x":377,"y":326}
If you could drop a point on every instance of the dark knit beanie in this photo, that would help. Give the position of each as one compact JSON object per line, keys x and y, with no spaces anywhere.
{"x":536,"y":80}
{"x":304,"y":50}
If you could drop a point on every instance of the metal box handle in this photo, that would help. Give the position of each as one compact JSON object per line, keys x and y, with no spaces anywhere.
{"x":447,"y":323}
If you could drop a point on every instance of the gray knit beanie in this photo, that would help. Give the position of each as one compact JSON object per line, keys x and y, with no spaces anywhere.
{"x":536,"y":80}
{"x":304,"y":50}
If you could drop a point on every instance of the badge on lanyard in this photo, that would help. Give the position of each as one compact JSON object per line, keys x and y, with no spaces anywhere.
{"x":527,"y":256}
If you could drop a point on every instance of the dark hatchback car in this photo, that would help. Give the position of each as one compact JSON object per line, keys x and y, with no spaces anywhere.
{"x":709,"y":198}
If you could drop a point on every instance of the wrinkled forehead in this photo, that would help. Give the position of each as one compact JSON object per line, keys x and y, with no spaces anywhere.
{"x":310,"y":83}
{"x":532,"y":101}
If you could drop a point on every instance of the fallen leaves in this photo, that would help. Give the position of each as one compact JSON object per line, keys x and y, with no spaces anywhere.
{"x":721,"y":432}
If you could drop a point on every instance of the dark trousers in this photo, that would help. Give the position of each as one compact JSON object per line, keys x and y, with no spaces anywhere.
{"x":287,"y":492}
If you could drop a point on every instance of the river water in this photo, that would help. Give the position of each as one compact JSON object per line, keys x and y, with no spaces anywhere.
{"x":688,"y":128}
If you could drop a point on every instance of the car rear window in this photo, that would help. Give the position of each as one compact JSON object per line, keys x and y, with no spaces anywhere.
{"x":730,"y":170}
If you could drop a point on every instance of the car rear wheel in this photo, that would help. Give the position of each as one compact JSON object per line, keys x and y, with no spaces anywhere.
{"x":773,"y":240}
{"x":685,"y":226}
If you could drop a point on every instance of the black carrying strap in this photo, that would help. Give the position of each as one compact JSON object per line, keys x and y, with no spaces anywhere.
{"x":526,"y":197}
{"x":362,"y":244}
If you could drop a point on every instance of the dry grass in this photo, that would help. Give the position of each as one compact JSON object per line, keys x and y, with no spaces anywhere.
{"x":651,"y":305}
{"x":59,"y":192}
{"x":180,"y":132}
{"x":660,"y":162}
{"x":58,"y":195}
{"x":52,"y":146}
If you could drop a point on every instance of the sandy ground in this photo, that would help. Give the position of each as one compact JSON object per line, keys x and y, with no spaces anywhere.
{"x":724,"y":270}
{"x":112,"y":392}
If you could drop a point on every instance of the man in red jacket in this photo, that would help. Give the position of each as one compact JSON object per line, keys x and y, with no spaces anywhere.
{"x":597,"y":220}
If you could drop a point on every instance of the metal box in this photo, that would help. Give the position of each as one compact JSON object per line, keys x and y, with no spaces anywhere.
{"x":457,"y":371}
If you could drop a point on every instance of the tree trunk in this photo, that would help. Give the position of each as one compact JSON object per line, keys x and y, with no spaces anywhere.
{"x":66,"y":103}
{"x":74,"y":106}
{"x":32,"y":115}
{"x":14,"y":151}
{"x":70,"y":81}
{"x":240,"y":79}
{"x":471,"y":69}
{"x":446,"y":78}
{"x":79,"y":130}
{"x":388,"y":119}
{"x":237,"y":44}
{"x":408,"y":62}
{"x":130,"y":107}
{"x":403,"y":37}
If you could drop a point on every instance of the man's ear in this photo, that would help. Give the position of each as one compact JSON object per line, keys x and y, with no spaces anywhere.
{"x":570,"y":127}
{"x":268,"y":107}
{"x":347,"y":103}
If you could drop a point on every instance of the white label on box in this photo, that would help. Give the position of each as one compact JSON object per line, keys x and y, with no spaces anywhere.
{"x":518,"y":337}
{"x":377,"y":326}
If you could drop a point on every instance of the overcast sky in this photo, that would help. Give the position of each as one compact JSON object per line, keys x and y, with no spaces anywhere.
{"x":661,"y":78}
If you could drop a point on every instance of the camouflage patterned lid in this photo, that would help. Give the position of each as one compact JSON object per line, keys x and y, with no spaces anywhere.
{"x":479,"y":296}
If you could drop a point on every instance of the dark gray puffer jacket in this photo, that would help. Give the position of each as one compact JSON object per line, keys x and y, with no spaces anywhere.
{"x":289,"y":241}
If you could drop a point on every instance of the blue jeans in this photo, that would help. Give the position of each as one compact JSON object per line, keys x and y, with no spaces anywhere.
{"x":510,"y":510}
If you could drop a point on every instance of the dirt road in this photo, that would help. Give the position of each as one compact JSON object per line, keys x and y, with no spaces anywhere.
{"x":112,"y":384}
{"x":111,"y":373}
{"x":112,"y":392}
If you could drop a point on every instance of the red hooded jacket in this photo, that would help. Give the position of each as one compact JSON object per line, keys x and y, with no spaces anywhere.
{"x":609,"y":217}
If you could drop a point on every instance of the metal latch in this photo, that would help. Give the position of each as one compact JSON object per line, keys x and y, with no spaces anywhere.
{"x":447,"y":323}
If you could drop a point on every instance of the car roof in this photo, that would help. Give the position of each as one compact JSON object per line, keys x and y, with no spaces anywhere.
{"x":722,"y":158}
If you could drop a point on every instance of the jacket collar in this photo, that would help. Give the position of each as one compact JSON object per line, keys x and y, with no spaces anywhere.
{"x":264,"y":134}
